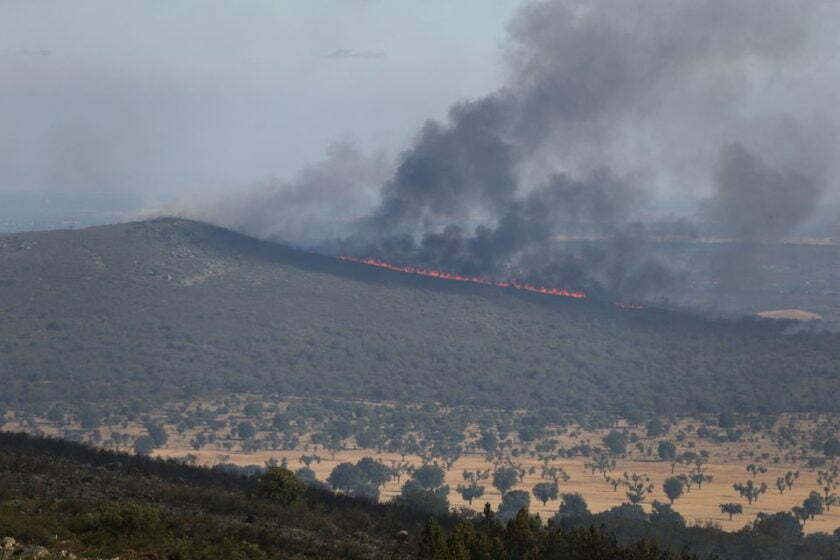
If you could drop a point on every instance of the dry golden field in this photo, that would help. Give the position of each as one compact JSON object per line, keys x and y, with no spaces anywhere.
{"x":698,"y":506}
{"x":726,"y":464}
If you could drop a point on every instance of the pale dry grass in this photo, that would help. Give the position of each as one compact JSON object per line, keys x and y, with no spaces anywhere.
{"x":727,"y":462}
{"x":698,"y":506}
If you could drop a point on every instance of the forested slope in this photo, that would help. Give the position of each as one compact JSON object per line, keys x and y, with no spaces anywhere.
{"x":172,"y":308}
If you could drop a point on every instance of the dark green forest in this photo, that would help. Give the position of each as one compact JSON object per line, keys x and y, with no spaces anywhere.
{"x":174,"y":309}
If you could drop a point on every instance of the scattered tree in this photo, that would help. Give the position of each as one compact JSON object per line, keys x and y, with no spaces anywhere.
{"x":429,"y":476}
{"x":638,"y":487}
{"x":731,"y":508}
{"x":281,"y":485}
{"x":813,"y":505}
{"x":750,"y":490}
{"x":755,"y":469}
{"x":375,"y":471}
{"x":667,"y":451}
{"x":616,"y":442}
{"x":505,"y":478}
{"x":545,"y":491}
{"x":673,"y":488}
{"x":471,"y":491}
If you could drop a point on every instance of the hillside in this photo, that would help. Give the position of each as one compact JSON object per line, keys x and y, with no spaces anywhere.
{"x":67,"y":497}
{"x":172,"y":309}
{"x":64,"y":500}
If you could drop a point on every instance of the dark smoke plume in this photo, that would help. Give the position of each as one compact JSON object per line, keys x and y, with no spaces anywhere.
{"x":608,"y":106}
{"x":756,"y":202}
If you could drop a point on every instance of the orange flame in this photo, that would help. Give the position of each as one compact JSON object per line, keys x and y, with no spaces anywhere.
{"x":471,"y":279}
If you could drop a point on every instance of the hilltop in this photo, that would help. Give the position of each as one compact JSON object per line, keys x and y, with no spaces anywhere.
{"x":171,"y":308}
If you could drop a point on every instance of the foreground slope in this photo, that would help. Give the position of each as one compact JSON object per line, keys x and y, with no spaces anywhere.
{"x":173,"y":308}
{"x":65,"y":496}
{"x":64,"y":500}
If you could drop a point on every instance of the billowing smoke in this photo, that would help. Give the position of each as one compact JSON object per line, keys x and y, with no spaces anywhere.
{"x":609,"y":108}
{"x":319,"y":205}
{"x":757,"y":202}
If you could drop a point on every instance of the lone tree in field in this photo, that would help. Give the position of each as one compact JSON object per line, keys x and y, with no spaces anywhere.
{"x":750,"y":490}
{"x":698,"y":475}
{"x":306,"y":460}
{"x":557,"y":474}
{"x":790,"y":478}
{"x":505,"y":478}
{"x":603,"y":463}
{"x":755,"y":470}
{"x":829,"y":481}
{"x":667,"y":451}
{"x":638,"y":487}
{"x":616,"y":442}
{"x":673,"y":488}
{"x":812,"y":506}
{"x":429,"y":476}
{"x":615,"y":482}
{"x":732,"y":509}
{"x":399,"y":468}
{"x":471,"y":491}
{"x":545,"y":491}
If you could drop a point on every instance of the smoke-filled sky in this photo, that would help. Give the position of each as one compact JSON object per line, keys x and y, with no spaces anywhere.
{"x":470,"y":135}
{"x":183,"y":96}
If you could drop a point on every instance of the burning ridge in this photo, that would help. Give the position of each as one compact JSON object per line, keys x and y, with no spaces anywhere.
{"x":471,"y":279}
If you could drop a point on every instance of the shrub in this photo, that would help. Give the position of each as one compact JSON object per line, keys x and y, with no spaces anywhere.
{"x":281,"y":485}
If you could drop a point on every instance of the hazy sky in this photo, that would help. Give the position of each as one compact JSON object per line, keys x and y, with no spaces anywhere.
{"x":177,"y":96}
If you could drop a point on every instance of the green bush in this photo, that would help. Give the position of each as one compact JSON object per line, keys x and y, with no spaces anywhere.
{"x":281,"y":485}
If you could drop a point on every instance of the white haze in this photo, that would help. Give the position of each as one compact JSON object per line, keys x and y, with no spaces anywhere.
{"x":176,"y":99}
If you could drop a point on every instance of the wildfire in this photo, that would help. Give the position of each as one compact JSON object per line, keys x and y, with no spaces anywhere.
{"x":471,"y":279}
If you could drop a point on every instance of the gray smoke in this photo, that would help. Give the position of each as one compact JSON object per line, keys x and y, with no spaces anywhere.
{"x":608,"y":107}
{"x":322,"y":203}
{"x":757,"y":202}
